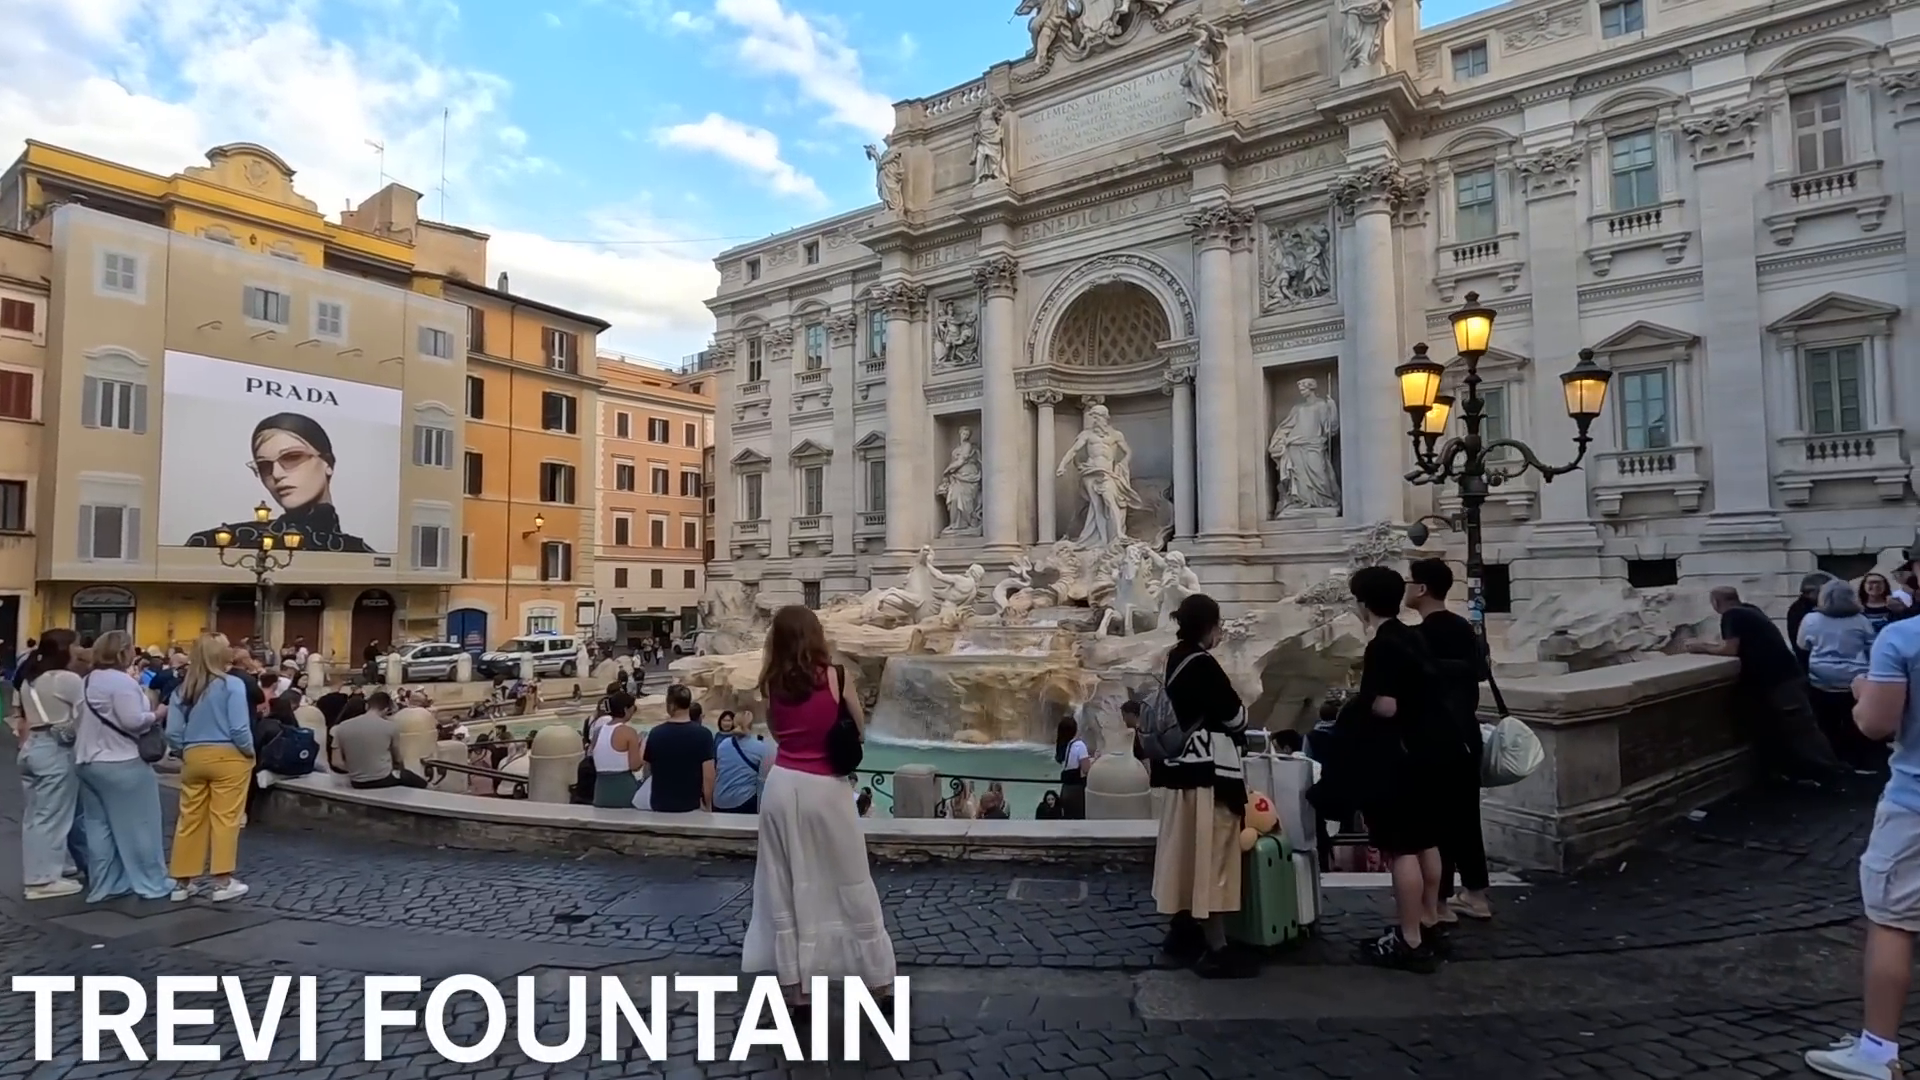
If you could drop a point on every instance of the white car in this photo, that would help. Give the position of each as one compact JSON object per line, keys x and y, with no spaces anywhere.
{"x":687,"y":644}
{"x":426,"y":661}
{"x":552,"y":654}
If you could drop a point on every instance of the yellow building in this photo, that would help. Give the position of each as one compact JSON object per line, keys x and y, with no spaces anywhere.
{"x":214,"y":344}
{"x":24,"y":266}
{"x":529,"y":402}
{"x":655,"y":426}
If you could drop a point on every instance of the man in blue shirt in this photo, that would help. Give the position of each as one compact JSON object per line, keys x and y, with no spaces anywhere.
{"x":1887,"y":706}
{"x":737,"y":756}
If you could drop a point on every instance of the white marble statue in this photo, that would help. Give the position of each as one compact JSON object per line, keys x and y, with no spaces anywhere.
{"x":990,"y":144}
{"x":1177,"y":582}
{"x":1054,"y":23}
{"x":889,"y":175}
{"x":1133,"y":589}
{"x":1302,"y":453}
{"x":957,"y":592}
{"x":1363,"y":31}
{"x":956,"y":337}
{"x":1012,"y":597}
{"x":1203,"y":73}
{"x":960,"y":486}
{"x":1104,"y":460}
{"x":910,"y":601}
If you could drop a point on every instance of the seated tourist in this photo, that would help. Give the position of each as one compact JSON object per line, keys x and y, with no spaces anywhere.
{"x":993,"y":805}
{"x":679,"y":759}
{"x":370,"y":747}
{"x":1049,"y":808}
{"x":737,"y":759}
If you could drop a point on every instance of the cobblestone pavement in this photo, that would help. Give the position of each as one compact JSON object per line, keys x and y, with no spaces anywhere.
{"x":1721,"y":948}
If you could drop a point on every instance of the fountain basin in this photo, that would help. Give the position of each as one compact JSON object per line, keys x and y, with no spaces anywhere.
{"x":934,"y":697}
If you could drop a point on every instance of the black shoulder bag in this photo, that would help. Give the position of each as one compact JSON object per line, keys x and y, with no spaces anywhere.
{"x":845,"y":745}
{"x":151,"y":744}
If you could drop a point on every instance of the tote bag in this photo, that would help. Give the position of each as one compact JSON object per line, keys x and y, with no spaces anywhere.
{"x":1509,"y":751}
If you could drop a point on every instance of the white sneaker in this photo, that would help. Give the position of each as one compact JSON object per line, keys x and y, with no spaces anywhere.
{"x":1845,"y":1061}
{"x":63,"y":887}
{"x":233,"y":889}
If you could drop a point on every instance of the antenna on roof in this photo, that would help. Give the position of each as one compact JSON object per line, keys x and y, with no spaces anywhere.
{"x":380,"y":148}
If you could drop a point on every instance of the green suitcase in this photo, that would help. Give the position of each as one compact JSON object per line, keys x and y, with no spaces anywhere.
{"x":1269,"y":912}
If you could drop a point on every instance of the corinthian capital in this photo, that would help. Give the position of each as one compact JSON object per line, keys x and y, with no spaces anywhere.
{"x":1044,"y":399}
{"x":1726,"y":131}
{"x":1901,"y":82}
{"x":1222,"y":224}
{"x":1370,"y":189}
{"x":899,"y":299}
{"x":842,"y":327}
{"x":999,"y":275}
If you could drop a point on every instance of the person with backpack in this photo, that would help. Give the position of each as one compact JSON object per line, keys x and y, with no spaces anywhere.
{"x":119,"y":794}
{"x":1195,"y":733}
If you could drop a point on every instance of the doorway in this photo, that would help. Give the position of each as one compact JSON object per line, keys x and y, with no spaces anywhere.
{"x":468,"y":628}
{"x":372,"y":623}
{"x":11,"y":633}
{"x":100,"y":608}
{"x":303,"y":612}
{"x":233,"y":615}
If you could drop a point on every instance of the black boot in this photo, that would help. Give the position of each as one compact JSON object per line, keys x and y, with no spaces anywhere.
{"x":1185,"y":940}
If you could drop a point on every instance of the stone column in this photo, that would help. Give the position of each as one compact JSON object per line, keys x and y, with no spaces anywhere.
{"x":1723,"y":145}
{"x":1046,"y":457}
{"x":1552,"y":217}
{"x":778,"y":499}
{"x":1000,"y":411}
{"x":1369,"y":396}
{"x":843,"y":474}
{"x":1251,"y":439}
{"x":1902,"y":87}
{"x":906,"y":413}
{"x":1180,"y":384}
{"x":1216,"y":381}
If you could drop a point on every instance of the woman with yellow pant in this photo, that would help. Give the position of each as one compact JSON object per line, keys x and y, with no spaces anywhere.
{"x":211,"y":727}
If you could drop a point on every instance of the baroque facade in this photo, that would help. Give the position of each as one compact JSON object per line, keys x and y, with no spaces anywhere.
{"x":1214,"y":227}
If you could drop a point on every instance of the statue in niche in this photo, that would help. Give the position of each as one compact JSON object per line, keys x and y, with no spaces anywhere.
{"x":1299,"y":267}
{"x":956,"y":339}
{"x":1106,"y":476}
{"x":1363,"y":31}
{"x":890,"y":174}
{"x":1302,"y":453}
{"x":1203,"y":74}
{"x":990,"y":144}
{"x":960,"y":487}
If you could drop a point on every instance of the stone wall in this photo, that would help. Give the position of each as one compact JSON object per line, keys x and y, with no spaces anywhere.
{"x":1628,"y":748}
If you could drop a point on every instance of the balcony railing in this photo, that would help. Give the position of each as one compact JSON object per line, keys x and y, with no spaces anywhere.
{"x":1876,"y":457}
{"x":811,"y":379}
{"x":749,"y":530}
{"x":812,"y":523}
{"x":1849,"y":189}
{"x":1663,"y":225}
{"x":1672,"y":470}
{"x":1490,"y":256}
{"x":870,"y":523}
{"x":753,"y":389}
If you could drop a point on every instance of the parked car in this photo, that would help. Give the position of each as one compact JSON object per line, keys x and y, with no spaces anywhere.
{"x":687,"y":644}
{"x":426,"y":661}
{"x":552,"y":654}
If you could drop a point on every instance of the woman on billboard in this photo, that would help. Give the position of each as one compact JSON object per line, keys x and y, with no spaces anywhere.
{"x":293,"y":458}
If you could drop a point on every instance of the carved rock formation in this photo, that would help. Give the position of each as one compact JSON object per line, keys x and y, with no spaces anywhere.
{"x":1602,"y":625}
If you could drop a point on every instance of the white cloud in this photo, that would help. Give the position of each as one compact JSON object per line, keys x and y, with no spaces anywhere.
{"x":552,"y":20}
{"x":824,"y":68}
{"x":757,"y":149}
{"x":155,"y":83}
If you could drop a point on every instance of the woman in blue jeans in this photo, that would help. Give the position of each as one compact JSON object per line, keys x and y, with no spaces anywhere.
{"x":119,"y":795}
{"x":50,"y":701}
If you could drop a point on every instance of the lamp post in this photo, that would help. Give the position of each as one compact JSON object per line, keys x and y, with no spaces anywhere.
{"x":268,"y":552}
{"x":1468,"y":459}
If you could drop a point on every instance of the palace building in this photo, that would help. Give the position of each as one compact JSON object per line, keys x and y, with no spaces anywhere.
{"x":1215,"y":227}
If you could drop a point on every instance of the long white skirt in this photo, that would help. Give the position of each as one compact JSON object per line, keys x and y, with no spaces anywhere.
{"x":815,"y":910}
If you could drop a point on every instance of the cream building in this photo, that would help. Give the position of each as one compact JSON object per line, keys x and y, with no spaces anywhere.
{"x":1184,"y":210}
{"x":24,"y":267}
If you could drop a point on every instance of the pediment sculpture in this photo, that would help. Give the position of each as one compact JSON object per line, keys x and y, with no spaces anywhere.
{"x":1078,"y":28}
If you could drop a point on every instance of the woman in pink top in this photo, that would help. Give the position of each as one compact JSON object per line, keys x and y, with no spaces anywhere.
{"x":815,"y":910}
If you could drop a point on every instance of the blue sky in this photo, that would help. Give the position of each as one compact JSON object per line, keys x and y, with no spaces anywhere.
{"x":609,"y":146}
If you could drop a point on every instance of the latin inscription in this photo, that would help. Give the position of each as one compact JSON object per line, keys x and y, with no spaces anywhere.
{"x":941,"y":256}
{"x":1299,"y":163}
{"x":1101,"y":118}
{"x":1106,"y":213}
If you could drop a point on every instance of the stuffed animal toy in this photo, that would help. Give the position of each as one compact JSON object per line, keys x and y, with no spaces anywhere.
{"x":1260,"y":818}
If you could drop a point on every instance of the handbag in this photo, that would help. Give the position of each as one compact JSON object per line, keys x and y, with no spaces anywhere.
{"x":845,"y":745}
{"x":151,"y":744}
{"x":1509,"y":750}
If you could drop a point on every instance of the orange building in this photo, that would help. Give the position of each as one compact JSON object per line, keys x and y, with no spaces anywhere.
{"x":528,"y":473}
{"x":655,"y":426}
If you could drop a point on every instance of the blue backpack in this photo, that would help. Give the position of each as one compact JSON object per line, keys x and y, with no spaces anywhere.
{"x":294,"y":753}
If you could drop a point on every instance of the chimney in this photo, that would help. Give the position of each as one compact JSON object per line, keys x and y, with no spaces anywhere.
{"x":502,"y":287}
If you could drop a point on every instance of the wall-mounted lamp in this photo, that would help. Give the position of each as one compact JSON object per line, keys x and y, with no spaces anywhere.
{"x":539,"y":523}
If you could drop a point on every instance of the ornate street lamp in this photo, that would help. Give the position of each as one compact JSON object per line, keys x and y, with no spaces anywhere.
{"x":1467,"y":459}
{"x":266,"y":553}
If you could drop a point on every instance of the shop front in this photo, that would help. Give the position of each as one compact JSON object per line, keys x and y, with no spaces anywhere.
{"x":100,"y":608}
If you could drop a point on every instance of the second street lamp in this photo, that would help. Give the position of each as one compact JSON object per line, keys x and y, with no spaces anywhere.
{"x":263,"y":555}
{"x":1469,"y":460}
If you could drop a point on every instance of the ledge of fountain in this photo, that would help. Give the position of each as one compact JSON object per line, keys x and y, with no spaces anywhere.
{"x":325,"y":801}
